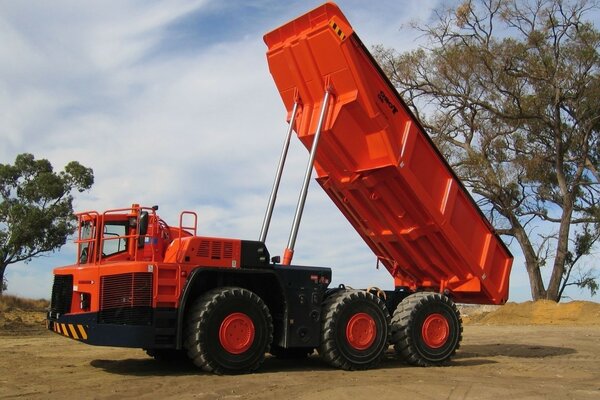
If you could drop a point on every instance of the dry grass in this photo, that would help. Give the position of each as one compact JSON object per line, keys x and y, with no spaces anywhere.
{"x":13,"y":303}
{"x":19,"y":316}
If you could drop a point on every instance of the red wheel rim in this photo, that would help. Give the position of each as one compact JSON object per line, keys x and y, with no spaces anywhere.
{"x":361,"y":331}
{"x":236,"y":333}
{"x":435,"y":331}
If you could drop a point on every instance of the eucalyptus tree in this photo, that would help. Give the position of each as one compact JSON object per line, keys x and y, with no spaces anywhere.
{"x":36,"y":208}
{"x":510,"y":92}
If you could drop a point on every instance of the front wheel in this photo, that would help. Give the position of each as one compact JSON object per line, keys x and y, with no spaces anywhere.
{"x":228,"y":331}
{"x":355,"y":330}
{"x":426,"y":329}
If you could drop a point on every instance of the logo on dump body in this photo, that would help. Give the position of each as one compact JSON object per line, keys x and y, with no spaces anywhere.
{"x":385,"y":100}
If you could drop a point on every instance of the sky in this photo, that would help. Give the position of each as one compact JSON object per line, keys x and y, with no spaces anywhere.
{"x":171,"y":104}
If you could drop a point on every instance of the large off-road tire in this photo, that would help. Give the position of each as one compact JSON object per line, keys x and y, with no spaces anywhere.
{"x":355,"y":330}
{"x":228,"y":331}
{"x":426,"y":329}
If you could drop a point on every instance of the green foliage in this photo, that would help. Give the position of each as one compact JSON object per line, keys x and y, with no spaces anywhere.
{"x":584,"y":242}
{"x":36,"y":211}
{"x":590,"y":283}
{"x":510,"y":92}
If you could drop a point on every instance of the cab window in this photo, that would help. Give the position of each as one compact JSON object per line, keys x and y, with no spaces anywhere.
{"x":114,"y":238}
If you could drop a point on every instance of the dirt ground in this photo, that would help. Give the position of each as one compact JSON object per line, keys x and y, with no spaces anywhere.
{"x":529,"y":359}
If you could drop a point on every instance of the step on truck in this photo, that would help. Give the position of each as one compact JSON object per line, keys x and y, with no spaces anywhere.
{"x":224,"y":303}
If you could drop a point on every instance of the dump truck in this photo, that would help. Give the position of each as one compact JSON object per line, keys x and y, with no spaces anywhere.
{"x":226,"y":303}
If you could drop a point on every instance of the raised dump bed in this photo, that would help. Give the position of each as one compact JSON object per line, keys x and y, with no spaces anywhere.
{"x":380,"y":167}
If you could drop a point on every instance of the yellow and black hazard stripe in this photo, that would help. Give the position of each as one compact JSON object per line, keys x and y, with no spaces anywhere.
{"x":72,"y":331}
{"x":338,"y":31}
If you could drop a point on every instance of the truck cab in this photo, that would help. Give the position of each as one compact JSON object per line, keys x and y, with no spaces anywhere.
{"x":136,"y":282}
{"x":121,"y":247}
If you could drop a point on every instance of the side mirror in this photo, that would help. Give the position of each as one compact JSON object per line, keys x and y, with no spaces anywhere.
{"x":143,"y":222}
{"x":143,"y":227}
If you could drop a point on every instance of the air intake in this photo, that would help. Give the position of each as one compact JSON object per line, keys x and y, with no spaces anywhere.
{"x":62,"y":293}
{"x":126,"y":299}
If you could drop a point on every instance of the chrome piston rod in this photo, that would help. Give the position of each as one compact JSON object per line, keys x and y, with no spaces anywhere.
{"x":289,"y":251}
{"x":273,"y":197}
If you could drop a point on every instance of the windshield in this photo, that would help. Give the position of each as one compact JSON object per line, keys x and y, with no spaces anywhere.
{"x":115,"y":240}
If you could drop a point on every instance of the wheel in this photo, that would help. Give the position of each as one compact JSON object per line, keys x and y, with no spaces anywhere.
{"x":294,"y":353}
{"x":228,"y":331}
{"x":426,"y":329}
{"x":355,"y":330}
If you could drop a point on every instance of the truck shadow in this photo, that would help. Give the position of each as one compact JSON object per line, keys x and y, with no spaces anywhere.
{"x":468,"y":355}
{"x":511,"y":350}
{"x":392,"y":361}
{"x":145,"y":367}
{"x":151,"y":367}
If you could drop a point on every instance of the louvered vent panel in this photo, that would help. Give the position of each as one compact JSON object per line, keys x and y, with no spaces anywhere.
{"x":228,"y":250}
{"x":215,"y":251}
{"x":126,"y":298}
{"x":204,"y":249}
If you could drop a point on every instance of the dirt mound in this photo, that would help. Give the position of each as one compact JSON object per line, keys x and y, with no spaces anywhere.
{"x":543,"y":312}
{"x":22,"y":316}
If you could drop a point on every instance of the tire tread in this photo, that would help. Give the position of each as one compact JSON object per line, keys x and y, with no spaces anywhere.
{"x":197,"y":321}
{"x":402,"y":322}
{"x":328,"y":348}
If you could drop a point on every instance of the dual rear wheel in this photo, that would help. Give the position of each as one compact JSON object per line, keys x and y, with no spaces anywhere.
{"x":355,"y":330}
{"x":426,"y":329}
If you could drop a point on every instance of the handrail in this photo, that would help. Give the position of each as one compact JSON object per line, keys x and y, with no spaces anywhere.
{"x":182,"y":228}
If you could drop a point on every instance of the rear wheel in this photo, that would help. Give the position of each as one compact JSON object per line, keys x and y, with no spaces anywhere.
{"x":355,"y":330}
{"x":426,"y":329}
{"x":228,"y":330}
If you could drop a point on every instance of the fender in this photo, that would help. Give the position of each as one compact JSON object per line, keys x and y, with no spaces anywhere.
{"x":293,"y":294}
{"x":202,"y":279}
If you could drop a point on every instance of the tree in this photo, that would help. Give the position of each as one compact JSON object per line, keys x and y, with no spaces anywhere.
{"x":36,"y":211}
{"x":509,"y":91}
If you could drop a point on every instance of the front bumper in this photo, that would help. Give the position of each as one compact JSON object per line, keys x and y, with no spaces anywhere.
{"x":85,"y":328}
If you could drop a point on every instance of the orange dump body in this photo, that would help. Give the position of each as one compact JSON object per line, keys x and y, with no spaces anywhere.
{"x":379,"y":166}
